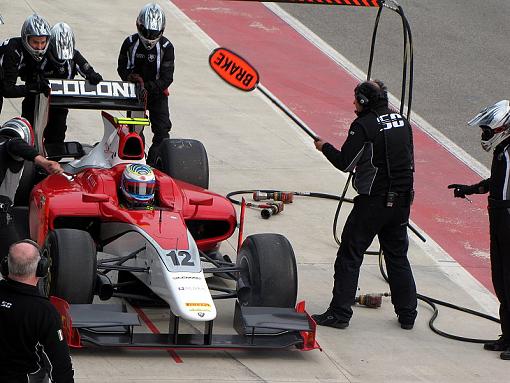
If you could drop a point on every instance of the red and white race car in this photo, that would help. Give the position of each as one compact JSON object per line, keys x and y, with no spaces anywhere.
{"x":98,"y":246}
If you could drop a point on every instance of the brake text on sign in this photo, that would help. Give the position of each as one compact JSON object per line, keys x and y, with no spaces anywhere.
{"x":231,"y":67}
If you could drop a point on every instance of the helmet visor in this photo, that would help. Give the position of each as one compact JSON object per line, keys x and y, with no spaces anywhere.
{"x":487,"y":132}
{"x":140,"y":190}
{"x":150,"y":34}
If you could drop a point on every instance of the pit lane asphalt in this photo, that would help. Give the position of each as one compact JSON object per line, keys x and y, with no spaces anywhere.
{"x":246,"y":151}
{"x":460,"y":55}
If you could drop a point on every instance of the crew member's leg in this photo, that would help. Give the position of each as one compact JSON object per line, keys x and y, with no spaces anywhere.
{"x":500,"y":268}
{"x":394,"y":244}
{"x":56,"y":127}
{"x":28,"y":108}
{"x":358,"y":233}
{"x":159,"y":116}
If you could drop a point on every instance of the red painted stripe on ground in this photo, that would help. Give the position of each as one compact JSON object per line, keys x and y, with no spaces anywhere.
{"x":152,"y":327}
{"x":321,"y":93}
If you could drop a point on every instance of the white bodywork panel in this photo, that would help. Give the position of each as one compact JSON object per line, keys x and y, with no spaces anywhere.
{"x":104,"y":154}
{"x":175,"y":275}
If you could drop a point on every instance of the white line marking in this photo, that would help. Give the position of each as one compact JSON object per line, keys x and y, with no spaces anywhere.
{"x":451,"y":268}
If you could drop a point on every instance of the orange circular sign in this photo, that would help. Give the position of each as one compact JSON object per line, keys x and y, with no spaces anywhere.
{"x":234,"y":69}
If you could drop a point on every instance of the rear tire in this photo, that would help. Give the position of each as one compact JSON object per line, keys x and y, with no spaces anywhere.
{"x":185,"y":160}
{"x":269,"y":272}
{"x":73,"y":265}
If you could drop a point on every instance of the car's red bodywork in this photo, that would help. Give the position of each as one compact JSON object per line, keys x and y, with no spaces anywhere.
{"x":93,"y":197}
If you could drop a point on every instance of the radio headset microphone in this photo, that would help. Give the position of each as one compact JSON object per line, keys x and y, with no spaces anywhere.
{"x":285,"y":197}
{"x":271,"y":208}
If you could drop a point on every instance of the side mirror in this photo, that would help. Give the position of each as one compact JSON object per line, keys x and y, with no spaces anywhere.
{"x":87,"y":197}
{"x":201,"y":201}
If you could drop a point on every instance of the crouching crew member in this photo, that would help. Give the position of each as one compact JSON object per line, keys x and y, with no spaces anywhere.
{"x":64,"y":61}
{"x":147,"y":59}
{"x":32,"y":344}
{"x":16,"y":146}
{"x":379,"y":148}
{"x":494,"y":122}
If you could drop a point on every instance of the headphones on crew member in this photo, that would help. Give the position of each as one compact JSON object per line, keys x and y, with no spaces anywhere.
{"x":42,"y":266}
{"x":370,"y":91}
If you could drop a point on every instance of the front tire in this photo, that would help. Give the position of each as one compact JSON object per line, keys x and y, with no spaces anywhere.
{"x":269,"y":276}
{"x":73,"y":265}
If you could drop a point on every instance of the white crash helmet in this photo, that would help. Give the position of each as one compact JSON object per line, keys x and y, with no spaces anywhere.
{"x":150,"y":24}
{"x":35,"y":25}
{"x":137,"y":184}
{"x":61,"y":42}
{"x":20,"y":128}
{"x":494,"y":120}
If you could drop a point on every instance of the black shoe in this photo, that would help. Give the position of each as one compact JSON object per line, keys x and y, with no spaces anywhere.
{"x":330,"y":319}
{"x":407,"y":326}
{"x":505,"y":355}
{"x":501,"y":344}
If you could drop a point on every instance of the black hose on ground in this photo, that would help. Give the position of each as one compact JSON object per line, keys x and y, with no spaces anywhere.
{"x":432,"y":302}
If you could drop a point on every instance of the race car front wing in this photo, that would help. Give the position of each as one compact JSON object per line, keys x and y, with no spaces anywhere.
{"x":110,"y":325}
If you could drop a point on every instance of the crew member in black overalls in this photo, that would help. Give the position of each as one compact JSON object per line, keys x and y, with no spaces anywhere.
{"x":20,"y":57}
{"x":379,"y":149}
{"x":147,"y":59}
{"x":63,"y":61}
{"x":32,"y":344}
{"x":494,"y":122}
{"x":16,"y":146}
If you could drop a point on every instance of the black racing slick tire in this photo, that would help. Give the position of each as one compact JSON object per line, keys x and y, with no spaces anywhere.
{"x":73,"y":265}
{"x":185,"y":160}
{"x":269,"y":273}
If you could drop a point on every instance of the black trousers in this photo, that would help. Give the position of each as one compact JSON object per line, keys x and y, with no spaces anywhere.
{"x":28,"y":108}
{"x":56,"y":127}
{"x":499,"y":220}
{"x":159,"y":115}
{"x":368,"y":218}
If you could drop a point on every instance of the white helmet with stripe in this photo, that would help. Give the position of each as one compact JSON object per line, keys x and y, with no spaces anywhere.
{"x":150,"y":24}
{"x":62,"y":42}
{"x":494,"y":120}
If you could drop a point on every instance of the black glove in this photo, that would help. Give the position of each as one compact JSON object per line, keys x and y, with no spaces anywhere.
{"x":141,"y":93}
{"x":461,"y":191}
{"x":136,"y":78}
{"x":94,"y":78}
{"x":153,"y":88}
{"x":40,"y":86}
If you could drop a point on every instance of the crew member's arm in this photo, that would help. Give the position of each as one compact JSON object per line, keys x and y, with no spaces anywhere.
{"x":350,"y":153}
{"x":124,"y":68}
{"x":55,"y":347}
{"x":10,"y":64}
{"x":461,"y":191}
{"x":85,"y":69}
{"x":166,"y":71}
{"x":17,"y":148}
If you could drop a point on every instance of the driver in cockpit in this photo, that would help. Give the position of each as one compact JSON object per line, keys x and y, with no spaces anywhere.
{"x":137,"y":186}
